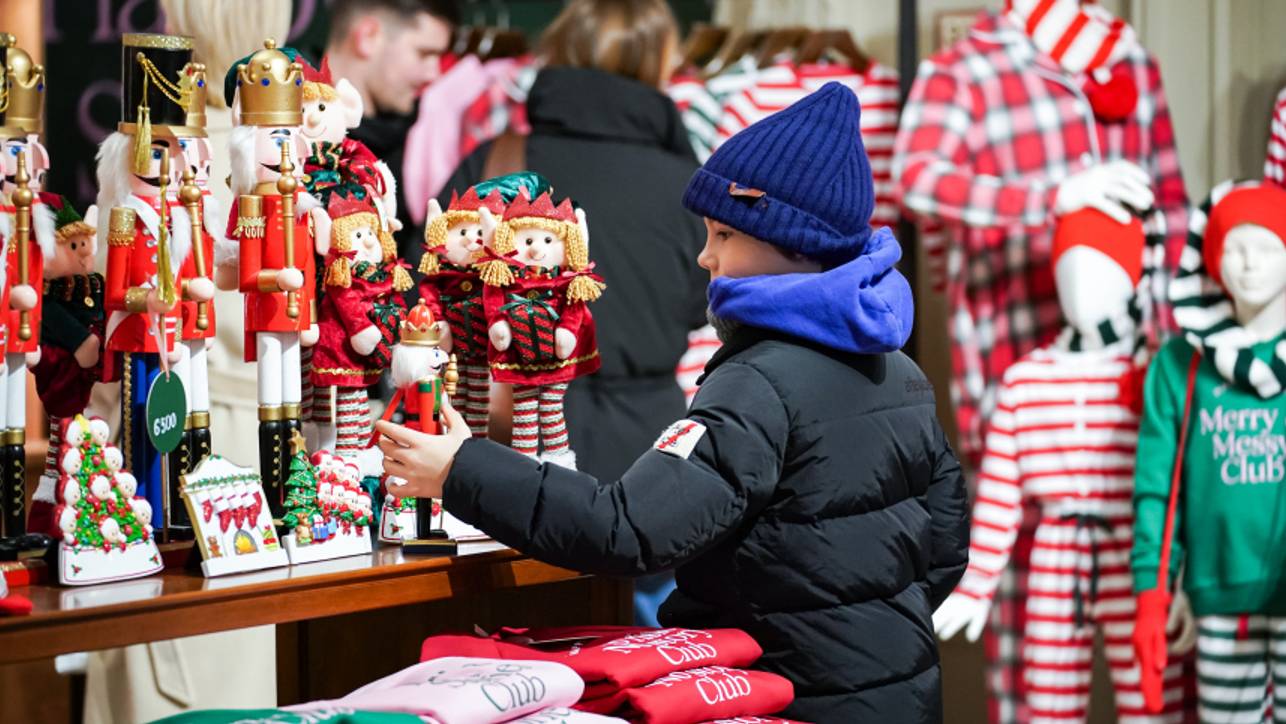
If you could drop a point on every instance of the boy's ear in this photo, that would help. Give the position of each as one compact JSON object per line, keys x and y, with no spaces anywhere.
{"x":351,"y":101}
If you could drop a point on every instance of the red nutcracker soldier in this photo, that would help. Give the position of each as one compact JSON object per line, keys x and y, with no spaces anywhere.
{"x":359,"y":317}
{"x":272,"y":228}
{"x":28,"y":225}
{"x":541,"y":332}
{"x":423,"y":375}
{"x":148,"y":238}
{"x":198,"y":328}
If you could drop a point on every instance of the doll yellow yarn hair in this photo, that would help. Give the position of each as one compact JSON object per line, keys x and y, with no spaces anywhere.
{"x":347,"y":216}
{"x":466,"y":209}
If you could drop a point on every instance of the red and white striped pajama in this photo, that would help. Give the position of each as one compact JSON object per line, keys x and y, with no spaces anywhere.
{"x":1063,"y":435}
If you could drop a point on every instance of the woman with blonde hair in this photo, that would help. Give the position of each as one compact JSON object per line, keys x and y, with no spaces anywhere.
{"x":605,"y":134}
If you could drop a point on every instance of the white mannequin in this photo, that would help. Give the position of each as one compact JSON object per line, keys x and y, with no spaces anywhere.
{"x":1254,"y":273}
{"x":1092,"y":288}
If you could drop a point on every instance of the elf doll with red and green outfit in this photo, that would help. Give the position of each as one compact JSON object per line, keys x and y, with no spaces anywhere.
{"x":538,"y":286}
{"x":1210,"y":483}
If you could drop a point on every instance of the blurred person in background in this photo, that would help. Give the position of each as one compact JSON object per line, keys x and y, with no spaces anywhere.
{"x":606,"y":135}
{"x":390,"y":50}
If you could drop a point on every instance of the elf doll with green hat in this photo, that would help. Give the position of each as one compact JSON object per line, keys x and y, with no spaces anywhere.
{"x":809,"y":497}
{"x":1210,"y":483}
{"x":71,"y":343}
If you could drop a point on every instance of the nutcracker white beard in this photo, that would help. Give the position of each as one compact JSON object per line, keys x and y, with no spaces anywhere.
{"x":413,"y":363}
{"x":113,"y":173}
{"x":241,"y":151}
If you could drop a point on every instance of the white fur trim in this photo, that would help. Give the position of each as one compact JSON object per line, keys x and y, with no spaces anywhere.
{"x":42,"y":218}
{"x":241,"y":156}
{"x":113,"y":173}
{"x":305,"y":202}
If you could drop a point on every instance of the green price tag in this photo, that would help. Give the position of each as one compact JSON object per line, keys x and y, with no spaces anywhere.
{"x":167,"y":410}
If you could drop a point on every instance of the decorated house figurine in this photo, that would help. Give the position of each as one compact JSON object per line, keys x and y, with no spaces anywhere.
{"x":104,"y":525}
{"x":29,"y":229}
{"x":536,"y":297}
{"x":423,"y":374}
{"x":148,"y":238}
{"x":1208,"y":486}
{"x":190,"y":186}
{"x":275,"y":236}
{"x":359,"y":318}
{"x":71,"y":343}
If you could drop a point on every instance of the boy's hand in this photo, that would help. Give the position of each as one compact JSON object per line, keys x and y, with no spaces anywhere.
{"x":423,"y":461}
{"x":961,"y":612}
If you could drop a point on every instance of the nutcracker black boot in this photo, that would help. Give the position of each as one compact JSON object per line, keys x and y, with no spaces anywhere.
{"x":272,"y":447}
{"x":179,"y":460}
{"x":15,"y":483}
{"x":200,"y":444}
{"x":291,"y":424}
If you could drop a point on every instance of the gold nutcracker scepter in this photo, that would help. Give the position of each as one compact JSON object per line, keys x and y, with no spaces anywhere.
{"x":286,"y":185}
{"x":190,"y":195}
{"x":22,"y":198}
{"x":164,"y":272}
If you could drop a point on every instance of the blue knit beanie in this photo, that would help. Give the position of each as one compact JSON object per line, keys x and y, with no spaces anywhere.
{"x":799,"y":179}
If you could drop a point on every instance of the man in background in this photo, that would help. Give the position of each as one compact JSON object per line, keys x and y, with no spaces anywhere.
{"x":390,"y":50}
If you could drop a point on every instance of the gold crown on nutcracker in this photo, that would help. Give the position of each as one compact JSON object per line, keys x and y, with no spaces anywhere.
{"x":22,"y":88}
{"x":419,"y":329}
{"x":271,"y":88}
{"x":193,"y":83}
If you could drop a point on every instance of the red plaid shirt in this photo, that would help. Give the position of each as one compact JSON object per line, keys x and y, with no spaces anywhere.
{"x":990,"y":130}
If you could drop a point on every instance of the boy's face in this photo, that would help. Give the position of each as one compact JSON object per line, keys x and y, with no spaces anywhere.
{"x":731,"y":253}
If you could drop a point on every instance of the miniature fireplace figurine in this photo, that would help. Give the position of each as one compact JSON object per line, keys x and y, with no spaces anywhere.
{"x":538,"y":286}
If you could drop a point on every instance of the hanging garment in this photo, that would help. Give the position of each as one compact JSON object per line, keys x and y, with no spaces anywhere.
{"x":1275,"y":161}
{"x":1064,"y":434}
{"x":501,"y":107}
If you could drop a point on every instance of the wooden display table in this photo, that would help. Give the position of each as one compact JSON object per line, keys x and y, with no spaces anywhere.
{"x":360,"y":599}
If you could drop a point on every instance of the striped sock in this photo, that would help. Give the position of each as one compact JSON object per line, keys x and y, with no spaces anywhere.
{"x":55,"y":442}
{"x":553,"y":428}
{"x":354,"y":424}
{"x":526,"y":401}
{"x":1232,"y":672}
{"x":476,"y":381}
{"x":306,"y":389}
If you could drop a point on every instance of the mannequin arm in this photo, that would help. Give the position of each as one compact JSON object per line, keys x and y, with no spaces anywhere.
{"x":1158,"y":441}
{"x":933,"y":162}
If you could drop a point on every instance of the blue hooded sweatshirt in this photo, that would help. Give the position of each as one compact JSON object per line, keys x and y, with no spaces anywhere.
{"x":863,"y":306}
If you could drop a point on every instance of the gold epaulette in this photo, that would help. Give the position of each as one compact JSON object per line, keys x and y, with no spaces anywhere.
{"x":250,"y":221}
{"x":120,"y":226}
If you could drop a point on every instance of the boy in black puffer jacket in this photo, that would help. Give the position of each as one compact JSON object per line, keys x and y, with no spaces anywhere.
{"x":810,"y":496}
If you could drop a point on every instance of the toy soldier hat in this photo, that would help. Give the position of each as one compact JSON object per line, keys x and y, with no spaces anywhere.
{"x":153,"y":99}
{"x":22,"y":89}
{"x":418,"y":329}
{"x":271,"y":87}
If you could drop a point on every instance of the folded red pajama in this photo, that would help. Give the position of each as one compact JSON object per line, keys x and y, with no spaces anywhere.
{"x":609,"y":659}
{"x":698,"y":695}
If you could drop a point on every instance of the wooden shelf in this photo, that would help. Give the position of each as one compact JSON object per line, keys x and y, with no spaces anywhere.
{"x":182,"y":603}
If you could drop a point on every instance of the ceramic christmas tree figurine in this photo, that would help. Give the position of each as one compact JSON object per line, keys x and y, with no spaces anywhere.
{"x":71,"y":343}
{"x":359,"y":318}
{"x":539,"y":325}
{"x":28,"y":227}
{"x":1212,"y":459}
{"x":327,"y":513}
{"x":105,"y":527}
{"x":273,"y":228}
{"x":191,"y":189}
{"x":423,"y":375}
{"x":148,"y":237}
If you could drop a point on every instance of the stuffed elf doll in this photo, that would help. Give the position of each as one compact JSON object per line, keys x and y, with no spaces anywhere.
{"x":359,"y":318}
{"x":455,"y":240}
{"x":274,"y":227}
{"x":536,"y":299}
{"x":20,"y":119}
{"x":1208,"y":488}
{"x":71,"y":343}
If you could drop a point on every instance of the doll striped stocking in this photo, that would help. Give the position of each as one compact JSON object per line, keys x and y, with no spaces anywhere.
{"x":1237,"y":658}
{"x":553,"y":427}
{"x":306,"y":389}
{"x":475,"y":382}
{"x":525,"y":429}
{"x":351,"y":420}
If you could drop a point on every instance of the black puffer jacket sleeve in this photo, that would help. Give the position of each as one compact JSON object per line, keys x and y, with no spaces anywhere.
{"x":949,"y":509}
{"x":665,"y":509}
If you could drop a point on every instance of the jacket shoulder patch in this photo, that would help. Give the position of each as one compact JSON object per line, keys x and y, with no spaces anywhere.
{"x":680,"y":439}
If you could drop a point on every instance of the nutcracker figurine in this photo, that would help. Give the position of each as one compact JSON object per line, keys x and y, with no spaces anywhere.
{"x":542,"y":335}
{"x":29,"y":228}
{"x":272,"y":227}
{"x":423,"y":375}
{"x":359,"y":317}
{"x":148,"y":238}
{"x":191,"y":185}
{"x":71,"y":344}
